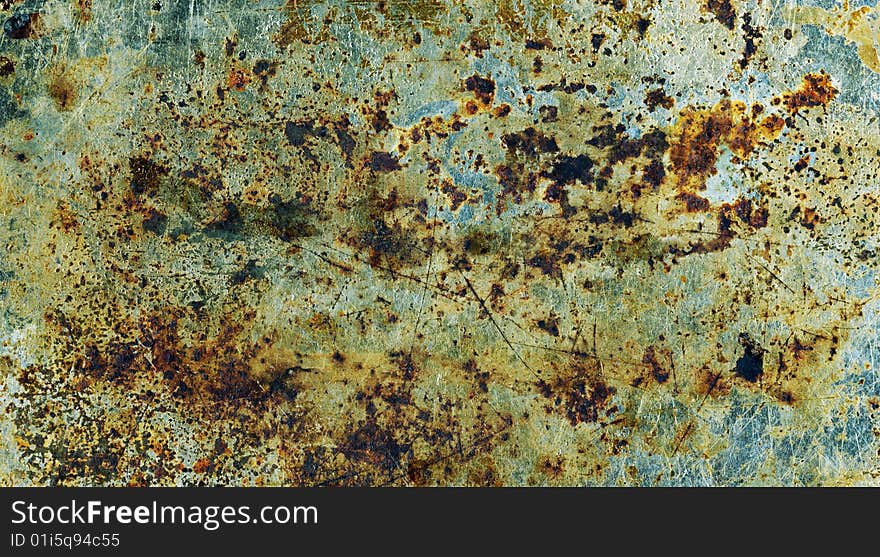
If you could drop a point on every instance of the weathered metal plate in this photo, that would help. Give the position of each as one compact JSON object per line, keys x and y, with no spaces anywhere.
{"x":434,"y":242}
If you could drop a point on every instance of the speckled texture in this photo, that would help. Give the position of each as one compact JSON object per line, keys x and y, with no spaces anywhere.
{"x":432,"y":242}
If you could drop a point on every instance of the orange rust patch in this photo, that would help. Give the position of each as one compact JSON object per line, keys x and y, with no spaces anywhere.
{"x":815,"y":90}
{"x":83,"y":10}
{"x":699,"y":133}
{"x":65,"y":218}
{"x":202,"y":465}
{"x":238,"y":79}
{"x":709,"y":383}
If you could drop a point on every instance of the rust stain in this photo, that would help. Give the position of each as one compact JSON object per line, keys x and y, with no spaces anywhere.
{"x":699,"y":133}
{"x":434,"y":243}
{"x":815,"y":90}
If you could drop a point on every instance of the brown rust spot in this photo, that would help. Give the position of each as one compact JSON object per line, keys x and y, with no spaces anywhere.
{"x":82,"y":10}
{"x":750,"y":366}
{"x":7,"y":66}
{"x":483,"y":88}
{"x":538,"y":44}
{"x":477,"y":44}
{"x":723,"y":11}
{"x":694,"y":149}
{"x":816,"y":90}
{"x":658,"y":97}
{"x":299,"y":25}
{"x":63,"y":88}
{"x":658,"y":361}
{"x":549,"y":324}
{"x":693,"y":202}
{"x":66,"y":218}
{"x":502,"y":111}
{"x":146,"y":175}
{"x":383,"y":162}
{"x":568,"y":169}
{"x":547,"y":262}
{"x":752,"y":36}
{"x":529,"y":142}
{"x":809,"y":218}
{"x":710,"y":384}
{"x":24,"y":26}
{"x":698,"y":134}
{"x":551,"y":467}
{"x":580,"y":395}
{"x":238,"y":79}
{"x":200,"y":370}
{"x":456,"y":196}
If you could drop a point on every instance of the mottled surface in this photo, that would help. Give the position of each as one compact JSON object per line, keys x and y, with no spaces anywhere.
{"x":427,"y":242}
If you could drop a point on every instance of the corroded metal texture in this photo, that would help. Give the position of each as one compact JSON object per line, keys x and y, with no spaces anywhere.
{"x":433,"y":242}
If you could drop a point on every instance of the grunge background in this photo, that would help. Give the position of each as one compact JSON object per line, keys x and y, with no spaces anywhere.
{"x":432,"y":242}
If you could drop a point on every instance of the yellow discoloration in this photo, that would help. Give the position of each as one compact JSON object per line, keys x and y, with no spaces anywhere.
{"x":436,"y":243}
{"x":860,"y":27}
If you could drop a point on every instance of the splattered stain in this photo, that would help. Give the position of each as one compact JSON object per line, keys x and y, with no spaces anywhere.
{"x":437,"y":243}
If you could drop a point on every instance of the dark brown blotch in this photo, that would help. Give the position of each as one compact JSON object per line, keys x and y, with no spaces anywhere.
{"x":22,"y":26}
{"x":723,"y":11}
{"x":146,"y":175}
{"x":483,"y":88}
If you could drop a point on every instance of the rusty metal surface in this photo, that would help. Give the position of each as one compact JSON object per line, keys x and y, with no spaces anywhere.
{"x":426,"y":242}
